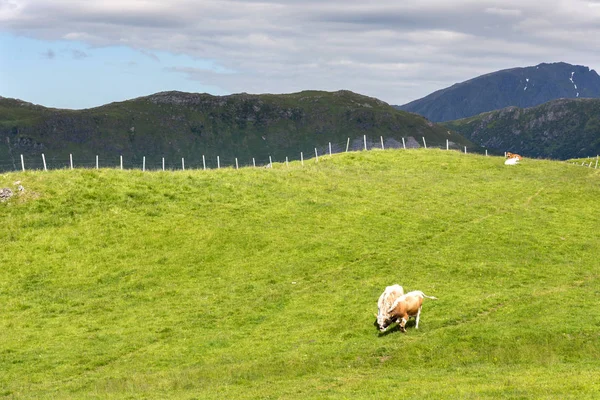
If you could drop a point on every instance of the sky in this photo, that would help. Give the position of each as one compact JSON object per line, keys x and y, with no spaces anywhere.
{"x":80,"y":54}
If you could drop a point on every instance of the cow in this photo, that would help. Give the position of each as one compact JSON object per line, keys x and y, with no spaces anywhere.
{"x":514,"y":155}
{"x":406,"y":306}
{"x":511,"y":161}
{"x":385,"y":302}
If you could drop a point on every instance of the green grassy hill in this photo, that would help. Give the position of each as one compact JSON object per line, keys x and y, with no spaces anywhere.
{"x":177,"y":125}
{"x":262,"y":283}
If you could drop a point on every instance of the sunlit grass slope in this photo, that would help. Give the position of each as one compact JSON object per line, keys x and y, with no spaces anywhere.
{"x":259,"y":283}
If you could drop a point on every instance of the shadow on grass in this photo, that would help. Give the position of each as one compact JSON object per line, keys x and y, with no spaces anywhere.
{"x":396,"y":328}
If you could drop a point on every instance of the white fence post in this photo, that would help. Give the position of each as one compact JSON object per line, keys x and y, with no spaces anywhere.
{"x":286,"y":161}
{"x":382,"y":146}
{"x":486,"y":152}
{"x":465,"y":149}
{"x":596,"y":167}
{"x":316,"y":155}
{"x":403,"y":144}
{"x":71,"y":160}
{"x":218,"y":163}
{"x":121,"y":159}
{"x":347,"y":145}
{"x":182,"y":164}
{"x":96,"y":161}
{"x":253,"y":162}
{"x":270,"y":162}
{"x":424,"y":144}
{"x":236,"y":163}
{"x":329,"y":148}
{"x":22,"y":163}
{"x":144,"y":163}
{"x":203,"y":162}
{"x":44,"y":161}
{"x":302,"y":158}
{"x":365,"y":140}
{"x":163,"y":163}
{"x":447,"y":145}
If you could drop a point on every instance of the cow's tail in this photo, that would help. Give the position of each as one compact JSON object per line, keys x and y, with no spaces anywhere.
{"x":429,"y":297}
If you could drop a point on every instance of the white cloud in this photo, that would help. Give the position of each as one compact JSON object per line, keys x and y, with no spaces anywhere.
{"x":396,"y":51}
{"x":504,"y":12}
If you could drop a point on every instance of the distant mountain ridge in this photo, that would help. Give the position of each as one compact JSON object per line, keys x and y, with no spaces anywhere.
{"x":560,"y":129}
{"x":177,"y":124}
{"x":519,"y":87}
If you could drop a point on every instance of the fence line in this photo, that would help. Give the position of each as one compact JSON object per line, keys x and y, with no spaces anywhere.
{"x":330,"y":149}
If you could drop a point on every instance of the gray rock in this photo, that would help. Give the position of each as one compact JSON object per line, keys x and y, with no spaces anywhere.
{"x":5,"y":194}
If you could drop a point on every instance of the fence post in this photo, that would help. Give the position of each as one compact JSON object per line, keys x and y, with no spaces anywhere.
{"x":96,"y":161}
{"x":465,"y":149}
{"x":253,"y":162}
{"x":203,"y":162}
{"x":486,"y":152}
{"x":447,"y":145}
{"x":22,"y":163}
{"x":286,"y":161}
{"x":330,"y":149}
{"x":302,"y":158}
{"x":44,"y":161}
{"x":163,"y":163}
{"x":182,"y":164}
{"x":144,"y":163}
{"x":347,"y":145}
{"x":71,"y":160}
{"x":316,"y":155}
{"x":382,"y":146}
{"x":236,"y":163}
{"x":218,"y":163}
{"x":121,"y":159}
{"x":365,"y":140}
{"x":424,"y":144}
{"x":596,"y":167}
{"x":270,"y":162}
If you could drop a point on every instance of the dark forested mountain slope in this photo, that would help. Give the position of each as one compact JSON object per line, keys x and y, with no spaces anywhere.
{"x":519,"y":87}
{"x":562,"y":129}
{"x":176,"y":125}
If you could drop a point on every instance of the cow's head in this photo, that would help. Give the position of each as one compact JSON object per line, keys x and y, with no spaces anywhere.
{"x":382,"y":322}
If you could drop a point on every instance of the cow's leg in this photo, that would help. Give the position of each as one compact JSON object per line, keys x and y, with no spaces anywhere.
{"x":403,"y":323}
{"x":418,"y":316}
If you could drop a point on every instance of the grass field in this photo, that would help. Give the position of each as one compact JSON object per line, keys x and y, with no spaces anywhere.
{"x":259,"y":283}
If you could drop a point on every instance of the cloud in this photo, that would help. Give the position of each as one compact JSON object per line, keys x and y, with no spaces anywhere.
{"x":396,"y":51}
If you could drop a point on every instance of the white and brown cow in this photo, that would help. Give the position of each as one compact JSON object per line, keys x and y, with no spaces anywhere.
{"x":514,"y":155}
{"x":385,"y":302}
{"x":406,"y":306}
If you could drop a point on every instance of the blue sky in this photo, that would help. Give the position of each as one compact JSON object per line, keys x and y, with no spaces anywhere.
{"x":70,"y":74}
{"x":76,"y":54}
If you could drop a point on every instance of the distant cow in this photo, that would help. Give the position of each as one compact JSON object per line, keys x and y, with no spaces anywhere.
{"x":385,"y":302}
{"x":406,"y":306}
{"x":514,"y":155}
{"x":511,"y":161}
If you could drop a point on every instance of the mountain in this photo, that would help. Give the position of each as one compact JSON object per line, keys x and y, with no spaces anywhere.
{"x":179,"y":125}
{"x":561,"y":129}
{"x":519,"y":87}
